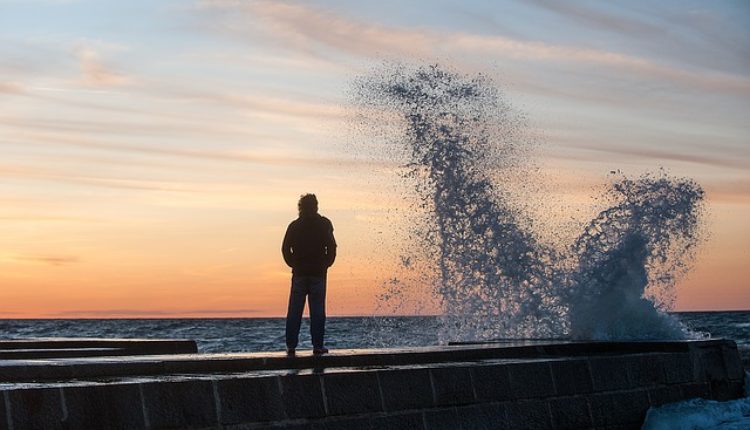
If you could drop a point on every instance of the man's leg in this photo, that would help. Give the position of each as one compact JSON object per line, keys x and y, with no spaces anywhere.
{"x":294,"y":311}
{"x":317,"y":303}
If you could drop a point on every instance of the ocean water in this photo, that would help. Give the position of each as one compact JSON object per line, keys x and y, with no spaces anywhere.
{"x":702,"y":414}
{"x":235,"y":334}
{"x":267,"y":334}
{"x":729,"y":325}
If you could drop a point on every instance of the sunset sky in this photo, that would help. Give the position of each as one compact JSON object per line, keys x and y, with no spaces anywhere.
{"x":153,"y":151}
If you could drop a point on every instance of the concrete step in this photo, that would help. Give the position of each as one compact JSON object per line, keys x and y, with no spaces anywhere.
{"x":89,"y":347}
{"x":83,"y":368}
{"x":35,"y":353}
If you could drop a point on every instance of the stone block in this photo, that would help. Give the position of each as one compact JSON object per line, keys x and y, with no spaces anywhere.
{"x":487,"y":416}
{"x":646,"y":370}
{"x":82,"y":347}
{"x":571,"y":377}
{"x":116,"y":406}
{"x":298,"y":426}
{"x":609,"y":374}
{"x":667,"y":394}
{"x":696,"y":389}
{"x":709,"y":364}
{"x":529,"y":415}
{"x":406,"y":389}
{"x":351,"y":393}
{"x":442,"y":419}
{"x":301,"y":426}
{"x":733,"y":363}
{"x":248,"y":400}
{"x":38,"y":408}
{"x":4,"y":417}
{"x":491,"y":383}
{"x":727,"y":389}
{"x":619,"y":408}
{"x":179,"y":404}
{"x":677,"y":368}
{"x":346,"y":424}
{"x":411,"y":421}
{"x":570,"y":413}
{"x":302,"y":396}
{"x":451,"y":385}
{"x":528,"y":380}
{"x":13,"y":373}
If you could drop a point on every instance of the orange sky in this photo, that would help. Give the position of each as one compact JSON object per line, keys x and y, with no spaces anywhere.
{"x":221,"y":264}
{"x":153,"y":152}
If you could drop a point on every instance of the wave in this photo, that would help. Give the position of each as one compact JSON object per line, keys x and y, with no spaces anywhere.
{"x":478,"y":253}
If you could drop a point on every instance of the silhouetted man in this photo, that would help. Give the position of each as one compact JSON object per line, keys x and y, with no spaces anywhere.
{"x":309,"y":249}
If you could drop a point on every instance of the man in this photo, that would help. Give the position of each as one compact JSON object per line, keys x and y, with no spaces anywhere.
{"x":309,"y":249}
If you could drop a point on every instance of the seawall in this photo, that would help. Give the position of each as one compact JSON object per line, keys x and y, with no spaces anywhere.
{"x":539,"y":385}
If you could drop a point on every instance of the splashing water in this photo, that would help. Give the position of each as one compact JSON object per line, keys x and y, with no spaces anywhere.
{"x":477,"y":252}
{"x":629,"y":258}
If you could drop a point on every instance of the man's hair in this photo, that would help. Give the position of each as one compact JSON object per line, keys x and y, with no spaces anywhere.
{"x":307,"y":205}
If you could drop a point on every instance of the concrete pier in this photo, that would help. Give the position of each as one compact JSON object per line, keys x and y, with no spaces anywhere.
{"x":529,"y":385}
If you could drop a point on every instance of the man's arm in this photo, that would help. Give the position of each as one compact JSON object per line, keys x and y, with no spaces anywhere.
{"x":330,"y":246}
{"x":286,"y":247}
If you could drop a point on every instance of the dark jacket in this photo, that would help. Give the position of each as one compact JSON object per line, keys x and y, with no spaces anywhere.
{"x":309,"y":247}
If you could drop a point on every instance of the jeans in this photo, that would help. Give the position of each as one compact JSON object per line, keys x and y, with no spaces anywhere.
{"x":314,"y":288}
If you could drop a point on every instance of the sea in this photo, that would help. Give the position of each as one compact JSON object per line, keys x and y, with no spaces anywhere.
{"x":216,"y":335}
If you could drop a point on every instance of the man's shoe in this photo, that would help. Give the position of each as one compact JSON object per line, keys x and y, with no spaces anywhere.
{"x":290,"y":352}
{"x":320,"y":351}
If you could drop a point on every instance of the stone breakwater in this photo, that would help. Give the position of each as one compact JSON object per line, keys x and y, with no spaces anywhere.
{"x":524,"y":385}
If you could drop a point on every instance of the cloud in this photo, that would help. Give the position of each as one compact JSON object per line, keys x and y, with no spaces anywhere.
{"x":47,"y":218}
{"x":695,"y":36}
{"x":189,"y":113}
{"x":656,"y":154}
{"x":308,"y":29}
{"x":10,"y":88}
{"x":11,"y":313}
{"x":129,"y":127}
{"x":280,"y":159}
{"x":736,"y":191}
{"x":52,"y":2}
{"x":317,"y":31}
{"x":51,"y":260}
{"x":258,"y":103}
{"x":592,"y":17}
{"x":95,"y":181}
{"x":151,"y":313}
{"x":538,"y":51}
{"x":95,"y":73}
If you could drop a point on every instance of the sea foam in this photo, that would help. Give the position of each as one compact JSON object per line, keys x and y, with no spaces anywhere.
{"x":702,"y":414}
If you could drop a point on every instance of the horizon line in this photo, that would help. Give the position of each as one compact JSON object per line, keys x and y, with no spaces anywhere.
{"x":283,"y":317}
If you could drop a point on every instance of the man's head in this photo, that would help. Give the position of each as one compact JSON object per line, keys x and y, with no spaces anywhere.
{"x":307,"y":205}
